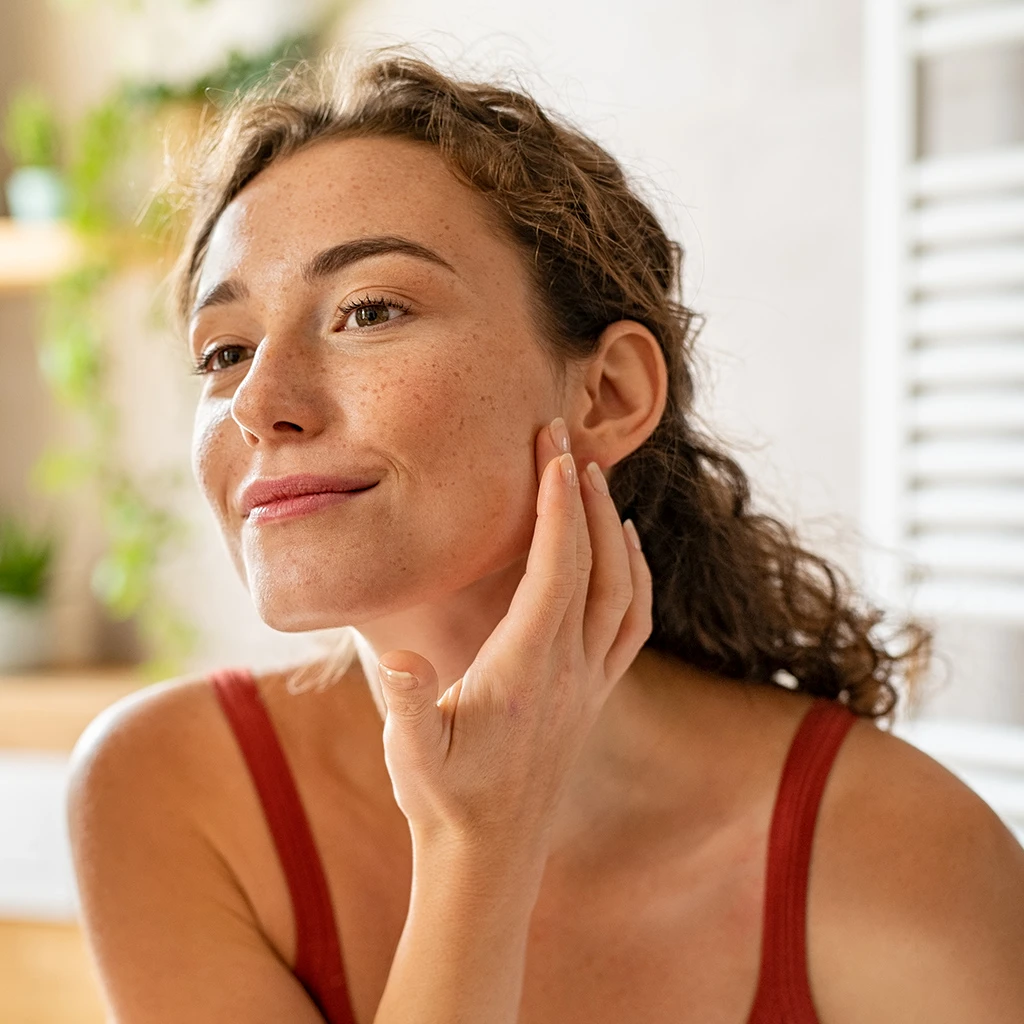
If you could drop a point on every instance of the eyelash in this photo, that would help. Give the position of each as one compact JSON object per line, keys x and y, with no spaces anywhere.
{"x":202,"y":364}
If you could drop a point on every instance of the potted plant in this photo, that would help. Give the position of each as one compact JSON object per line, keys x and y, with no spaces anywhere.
{"x":35,"y":189}
{"x":25,"y":563}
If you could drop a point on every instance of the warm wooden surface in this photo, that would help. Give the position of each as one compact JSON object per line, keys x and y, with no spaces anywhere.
{"x":34,"y":254}
{"x":46,"y":976}
{"x":49,"y":710}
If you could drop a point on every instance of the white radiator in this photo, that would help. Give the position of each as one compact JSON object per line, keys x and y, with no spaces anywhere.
{"x":943,"y":470}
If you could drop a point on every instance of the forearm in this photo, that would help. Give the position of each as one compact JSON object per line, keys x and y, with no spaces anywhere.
{"x":462,"y":953}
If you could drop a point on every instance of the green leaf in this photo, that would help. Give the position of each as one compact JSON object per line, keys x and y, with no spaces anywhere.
{"x":71,"y":361}
{"x":61,"y":469}
{"x":120,"y":586}
{"x":30,"y":129}
{"x":25,"y":561}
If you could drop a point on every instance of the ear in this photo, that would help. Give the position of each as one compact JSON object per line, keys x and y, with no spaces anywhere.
{"x":619,"y":395}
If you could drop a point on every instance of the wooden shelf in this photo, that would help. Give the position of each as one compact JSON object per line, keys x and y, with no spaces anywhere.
{"x":49,"y":710}
{"x":34,"y":254}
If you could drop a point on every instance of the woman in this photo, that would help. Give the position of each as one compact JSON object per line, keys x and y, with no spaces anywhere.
{"x":566,"y":779}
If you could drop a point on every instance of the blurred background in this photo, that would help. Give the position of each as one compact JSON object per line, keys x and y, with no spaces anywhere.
{"x":847,"y":180}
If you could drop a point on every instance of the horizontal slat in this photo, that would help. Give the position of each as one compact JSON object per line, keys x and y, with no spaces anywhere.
{"x":977,"y":172}
{"x":975,"y":410}
{"x":968,"y":268}
{"x":993,"y":600}
{"x":994,"y":24}
{"x":972,"y":460}
{"x":967,"y":506}
{"x":981,"y":553}
{"x":969,"y":220}
{"x":976,"y":363}
{"x":944,"y":318}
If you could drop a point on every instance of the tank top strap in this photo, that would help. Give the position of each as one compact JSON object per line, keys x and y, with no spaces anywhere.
{"x":318,"y":960}
{"x":784,"y":992}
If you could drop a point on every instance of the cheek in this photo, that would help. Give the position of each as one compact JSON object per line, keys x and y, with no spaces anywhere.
{"x":208,"y":460}
{"x":459,"y":422}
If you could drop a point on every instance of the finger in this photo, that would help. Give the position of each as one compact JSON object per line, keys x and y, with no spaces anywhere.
{"x":572,"y":621}
{"x":610,"y":591}
{"x":575,"y":615}
{"x":637,"y":623}
{"x":551,"y":441}
{"x":550,"y":581}
{"x":414,"y":721}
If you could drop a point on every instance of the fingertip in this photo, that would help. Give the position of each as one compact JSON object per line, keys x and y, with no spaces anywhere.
{"x":567,"y":467}
{"x":632,"y":536}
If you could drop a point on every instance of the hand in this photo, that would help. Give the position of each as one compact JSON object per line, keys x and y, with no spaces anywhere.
{"x":487,"y":763}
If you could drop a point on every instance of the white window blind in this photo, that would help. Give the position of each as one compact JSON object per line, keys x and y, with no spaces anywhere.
{"x":943,"y":474}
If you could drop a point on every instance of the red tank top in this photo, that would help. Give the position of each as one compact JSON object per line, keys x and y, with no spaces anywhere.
{"x":783,"y":992}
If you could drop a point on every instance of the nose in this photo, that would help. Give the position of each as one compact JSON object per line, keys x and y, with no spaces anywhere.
{"x":281,"y":393}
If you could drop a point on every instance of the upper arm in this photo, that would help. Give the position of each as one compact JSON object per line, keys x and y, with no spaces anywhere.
{"x":171,"y":931}
{"x":923,"y":892}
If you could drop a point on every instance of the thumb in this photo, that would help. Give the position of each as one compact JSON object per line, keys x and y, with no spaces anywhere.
{"x":408,"y":685}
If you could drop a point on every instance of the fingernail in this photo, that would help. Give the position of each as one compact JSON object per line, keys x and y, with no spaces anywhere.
{"x":559,"y":434}
{"x":568,"y":469}
{"x":400,"y":680}
{"x":597,"y":478}
{"x":634,"y":537}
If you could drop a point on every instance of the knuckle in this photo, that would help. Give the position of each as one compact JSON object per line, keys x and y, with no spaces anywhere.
{"x":409,"y":709}
{"x":561,"y":585}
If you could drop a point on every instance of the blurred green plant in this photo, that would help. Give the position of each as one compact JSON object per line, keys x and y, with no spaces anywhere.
{"x":31,"y":133}
{"x":112,"y":141}
{"x":25,"y":561}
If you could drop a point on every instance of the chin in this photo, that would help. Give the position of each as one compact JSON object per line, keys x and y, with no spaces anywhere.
{"x":292,"y":608}
{"x":301,"y":599}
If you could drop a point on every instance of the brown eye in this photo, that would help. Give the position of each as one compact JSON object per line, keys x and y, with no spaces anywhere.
{"x":227,"y":357}
{"x":367,"y":316}
{"x":221,"y":358}
{"x":370,"y":314}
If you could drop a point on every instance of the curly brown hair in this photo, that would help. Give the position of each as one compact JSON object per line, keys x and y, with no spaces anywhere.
{"x":734,"y":592}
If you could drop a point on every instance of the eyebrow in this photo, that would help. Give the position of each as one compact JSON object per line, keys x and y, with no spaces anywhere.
{"x":329,"y":262}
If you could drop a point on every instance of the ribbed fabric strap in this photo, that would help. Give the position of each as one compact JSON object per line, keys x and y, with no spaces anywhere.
{"x":318,"y":960}
{"x":784,"y":993}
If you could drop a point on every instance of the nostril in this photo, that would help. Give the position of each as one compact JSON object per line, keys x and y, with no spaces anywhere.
{"x":285,"y":425}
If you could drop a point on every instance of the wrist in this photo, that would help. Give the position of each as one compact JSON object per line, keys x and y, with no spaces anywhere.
{"x":475,"y":868}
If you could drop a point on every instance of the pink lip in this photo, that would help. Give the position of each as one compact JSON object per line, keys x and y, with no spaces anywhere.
{"x":282,"y":495}
{"x":304,"y":504}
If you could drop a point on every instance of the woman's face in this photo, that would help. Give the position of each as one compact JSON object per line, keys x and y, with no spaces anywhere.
{"x":364,"y":319}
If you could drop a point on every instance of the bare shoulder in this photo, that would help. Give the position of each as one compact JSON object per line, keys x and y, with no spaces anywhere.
{"x":916,"y":901}
{"x":165,"y":915}
{"x":173,"y":737}
{"x":153,"y":729}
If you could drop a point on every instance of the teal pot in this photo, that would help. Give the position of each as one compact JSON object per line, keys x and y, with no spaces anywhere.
{"x":36,"y":193}
{"x":24,"y":634}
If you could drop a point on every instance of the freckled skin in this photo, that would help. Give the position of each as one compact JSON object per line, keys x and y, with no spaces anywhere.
{"x":443,"y":402}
